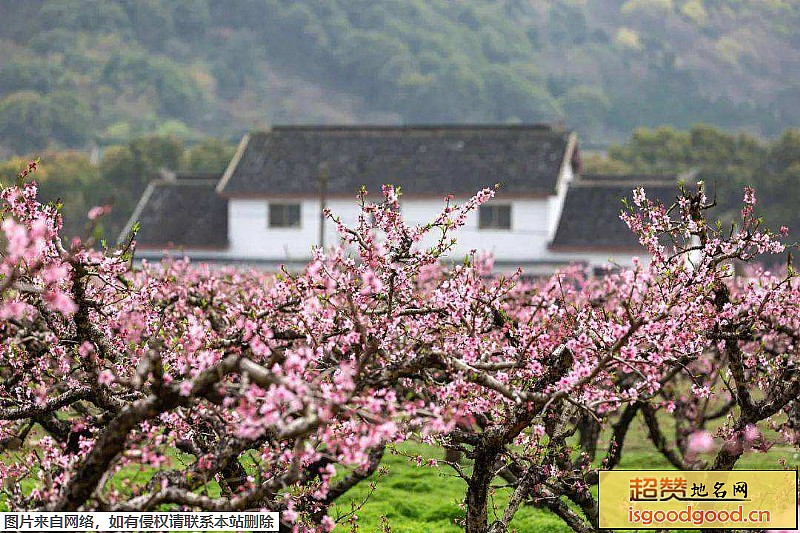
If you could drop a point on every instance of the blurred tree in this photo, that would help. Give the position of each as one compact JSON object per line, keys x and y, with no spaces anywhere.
{"x":10,"y":169}
{"x":597,"y":163}
{"x":191,"y":18}
{"x":653,"y":62}
{"x":178,"y":93}
{"x":29,"y":74}
{"x":211,"y":156}
{"x":785,"y":109}
{"x":695,"y":11}
{"x":727,"y":162}
{"x":236,"y":62}
{"x":83,"y":15}
{"x":68,"y":178}
{"x":785,"y":151}
{"x":661,"y":151}
{"x":566,"y":24}
{"x":375,"y":58}
{"x":116,"y":133}
{"x":53,"y":41}
{"x":516,"y":97}
{"x":650,"y":15}
{"x":117,"y":169}
{"x":70,"y":118}
{"x":177,"y":129}
{"x":151,"y":21}
{"x":71,"y":178}
{"x":586,"y":108}
{"x":153,"y":153}
{"x":24,"y":121}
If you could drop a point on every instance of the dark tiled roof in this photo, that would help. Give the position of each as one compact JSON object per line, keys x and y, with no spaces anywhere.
{"x":185,"y":212}
{"x":634,"y":179}
{"x":590,"y":217}
{"x":421,"y":159}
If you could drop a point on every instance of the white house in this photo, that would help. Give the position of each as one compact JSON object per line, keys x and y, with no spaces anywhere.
{"x":266,"y":208}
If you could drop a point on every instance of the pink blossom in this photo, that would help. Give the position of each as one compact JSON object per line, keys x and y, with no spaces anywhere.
{"x":85,"y":349}
{"x":751,"y":433}
{"x":700,"y":442}
{"x":328,"y":523}
{"x":390,"y":193}
{"x":701,"y":391}
{"x":54,"y":273}
{"x":325,"y":366}
{"x":59,"y":301}
{"x":749,"y":196}
{"x":98,"y":211}
{"x":185,"y":388}
{"x":370,"y":283}
{"x":106,"y":377}
{"x":17,"y":238}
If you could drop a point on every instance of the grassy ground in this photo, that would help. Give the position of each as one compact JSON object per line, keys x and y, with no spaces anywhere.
{"x":426,"y":500}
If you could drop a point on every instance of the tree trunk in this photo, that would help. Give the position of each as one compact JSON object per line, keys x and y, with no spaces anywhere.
{"x":452,"y":456}
{"x":589,"y":435}
{"x":477,"y":520}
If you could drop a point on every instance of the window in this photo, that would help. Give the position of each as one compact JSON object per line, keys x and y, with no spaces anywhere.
{"x":494,"y":217}
{"x":284,"y":215}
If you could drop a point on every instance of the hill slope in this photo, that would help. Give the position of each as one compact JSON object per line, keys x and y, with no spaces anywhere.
{"x":76,"y":72}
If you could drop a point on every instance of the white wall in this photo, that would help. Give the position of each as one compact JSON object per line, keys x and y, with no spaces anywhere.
{"x":250,"y":237}
{"x":533,"y":225}
{"x":525,"y":240}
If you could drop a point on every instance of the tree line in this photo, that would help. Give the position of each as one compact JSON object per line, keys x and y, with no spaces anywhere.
{"x":726,"y":161}
{"x":77,"y":73}
{"x":118,"y":178}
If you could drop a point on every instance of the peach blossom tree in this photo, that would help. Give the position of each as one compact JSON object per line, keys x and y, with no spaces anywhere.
{"x":239,"y":390}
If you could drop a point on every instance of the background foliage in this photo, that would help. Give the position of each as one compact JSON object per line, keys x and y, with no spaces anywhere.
{"x":726,"y":161}
{"x":118,"y":178}
{"x":73,"y":72}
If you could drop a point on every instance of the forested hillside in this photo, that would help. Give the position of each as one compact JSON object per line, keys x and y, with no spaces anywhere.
{"x":83,"y":72}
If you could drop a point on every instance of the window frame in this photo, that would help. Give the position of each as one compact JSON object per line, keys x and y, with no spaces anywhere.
{"x":495,"y":219}
{"x":285,"y":223}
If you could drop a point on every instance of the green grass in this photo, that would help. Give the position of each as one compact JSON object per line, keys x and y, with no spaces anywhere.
{"x":426,"y":499}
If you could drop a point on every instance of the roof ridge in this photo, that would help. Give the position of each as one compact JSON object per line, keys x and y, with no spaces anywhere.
{"x":409,"y":127}
{"x":609,"y":176}
{"x":623,"y":183}
{"x":211,"y":182}
{"x":600,"y":180}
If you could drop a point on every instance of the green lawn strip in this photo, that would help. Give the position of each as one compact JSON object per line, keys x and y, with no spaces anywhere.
{"x":426,"y":499}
